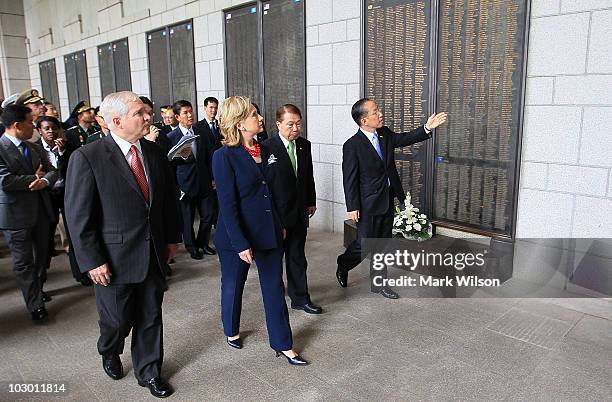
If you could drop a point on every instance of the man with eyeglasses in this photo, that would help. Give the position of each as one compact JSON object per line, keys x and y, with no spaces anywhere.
{"x":293,"y":192}
{"x":371,"y":181}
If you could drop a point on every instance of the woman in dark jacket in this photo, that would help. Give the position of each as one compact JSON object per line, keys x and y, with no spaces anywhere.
{"x":248,"y":227}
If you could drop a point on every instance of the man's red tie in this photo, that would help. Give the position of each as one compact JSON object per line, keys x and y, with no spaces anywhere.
{"x":139,"y":173}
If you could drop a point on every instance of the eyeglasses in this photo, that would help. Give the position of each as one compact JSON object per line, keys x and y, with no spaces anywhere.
{"x":291,"y":126}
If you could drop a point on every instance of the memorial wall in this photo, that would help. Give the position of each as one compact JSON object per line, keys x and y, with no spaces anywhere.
{"x":471,"y":53}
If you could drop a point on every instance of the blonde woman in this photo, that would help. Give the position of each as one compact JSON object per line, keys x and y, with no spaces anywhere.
{"x":248,"y":227}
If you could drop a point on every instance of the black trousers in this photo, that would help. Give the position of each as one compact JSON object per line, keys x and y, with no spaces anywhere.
{"x":29,"y":249}
{"x":368,"y":227}
{"x":57,"y":200}
{"x":296,"y":264}
{"x":57,"y":203}
{"x":136,"y":307}
{"x":205,"y":209}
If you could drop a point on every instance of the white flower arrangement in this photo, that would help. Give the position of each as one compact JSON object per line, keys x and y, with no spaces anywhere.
{"x":410,"y":224}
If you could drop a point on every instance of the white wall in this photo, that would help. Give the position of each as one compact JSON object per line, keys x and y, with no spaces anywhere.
{"x":13,"y":56}
{"x":565,"y":186}
{"x":332,"y":76}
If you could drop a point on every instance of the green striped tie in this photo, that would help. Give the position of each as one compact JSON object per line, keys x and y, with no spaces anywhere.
{"x":290,"y":149}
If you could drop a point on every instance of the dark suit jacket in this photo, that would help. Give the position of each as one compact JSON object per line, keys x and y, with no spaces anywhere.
{"x":92,"y":137}
{"x":108,"y":218}
{"x":261,"y":137}
{"x":77,"y":137}
{"x":162,"y":139}
{"x":292,"y":195}
{"x":194,"y":175}
{"x":19,"y":207}
{"x":366,"y":177}
{"x":203,"y":126}
{"x":247,"y":214}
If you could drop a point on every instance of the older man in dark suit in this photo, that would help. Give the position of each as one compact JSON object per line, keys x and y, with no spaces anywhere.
{"x":371,"y":181}
{"x":25,"y":206}
{"x":293,"y":191}
{"x":123,"y":217}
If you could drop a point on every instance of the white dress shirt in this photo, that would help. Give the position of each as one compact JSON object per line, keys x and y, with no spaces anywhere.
{"x":54,"y":160}
{"x":125,"y":150}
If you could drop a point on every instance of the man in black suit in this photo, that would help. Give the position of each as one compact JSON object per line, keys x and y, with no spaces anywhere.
{"x":371,"y":181}
{"x":293,"y":192}
{"x":123,"y":217}
{"x":209,"y":123}
{"x":25,"y":206}
{"x":194,"y":177}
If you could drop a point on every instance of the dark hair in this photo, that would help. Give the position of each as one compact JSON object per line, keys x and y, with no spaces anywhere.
{"x":49,"y":119}
{"x":358,"y":110}
{"x":210,"y":99}
{"x":176,"y":107}
{"x":287,"y":108}
{"x":146,"y":101}
{"x":15,"y":114}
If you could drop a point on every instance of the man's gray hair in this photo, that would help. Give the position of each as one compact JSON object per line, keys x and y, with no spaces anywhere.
{"x":116,"y":105}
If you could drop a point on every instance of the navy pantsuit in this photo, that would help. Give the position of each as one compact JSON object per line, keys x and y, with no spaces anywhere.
{"x":248,"y":219}
{"x":234,"y":273}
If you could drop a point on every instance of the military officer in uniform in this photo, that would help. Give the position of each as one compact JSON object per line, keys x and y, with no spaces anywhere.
{"x":84,"y":116}
{"x":35,"y":102}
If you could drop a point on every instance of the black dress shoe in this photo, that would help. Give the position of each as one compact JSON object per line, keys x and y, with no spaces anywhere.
{"x":236,"y":343}
{"x":39,"y":315}
{"x":342,"y":277}
{"x":112,"y":366}
{"x":158,"y":386}
{"x":388,"y":293}
{"x":45,"y":297}
{"x":296,"y":361}
{"x":308,"y":308}
{"x":196,"y":255}
{"x":209,"y":250}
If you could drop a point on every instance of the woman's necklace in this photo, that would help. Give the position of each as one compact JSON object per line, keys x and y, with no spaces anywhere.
{"x":255,"y":152}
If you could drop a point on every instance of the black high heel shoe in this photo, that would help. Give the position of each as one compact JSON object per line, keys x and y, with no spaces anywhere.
{"x":296,"y":361}
{"x":236,"y":343}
